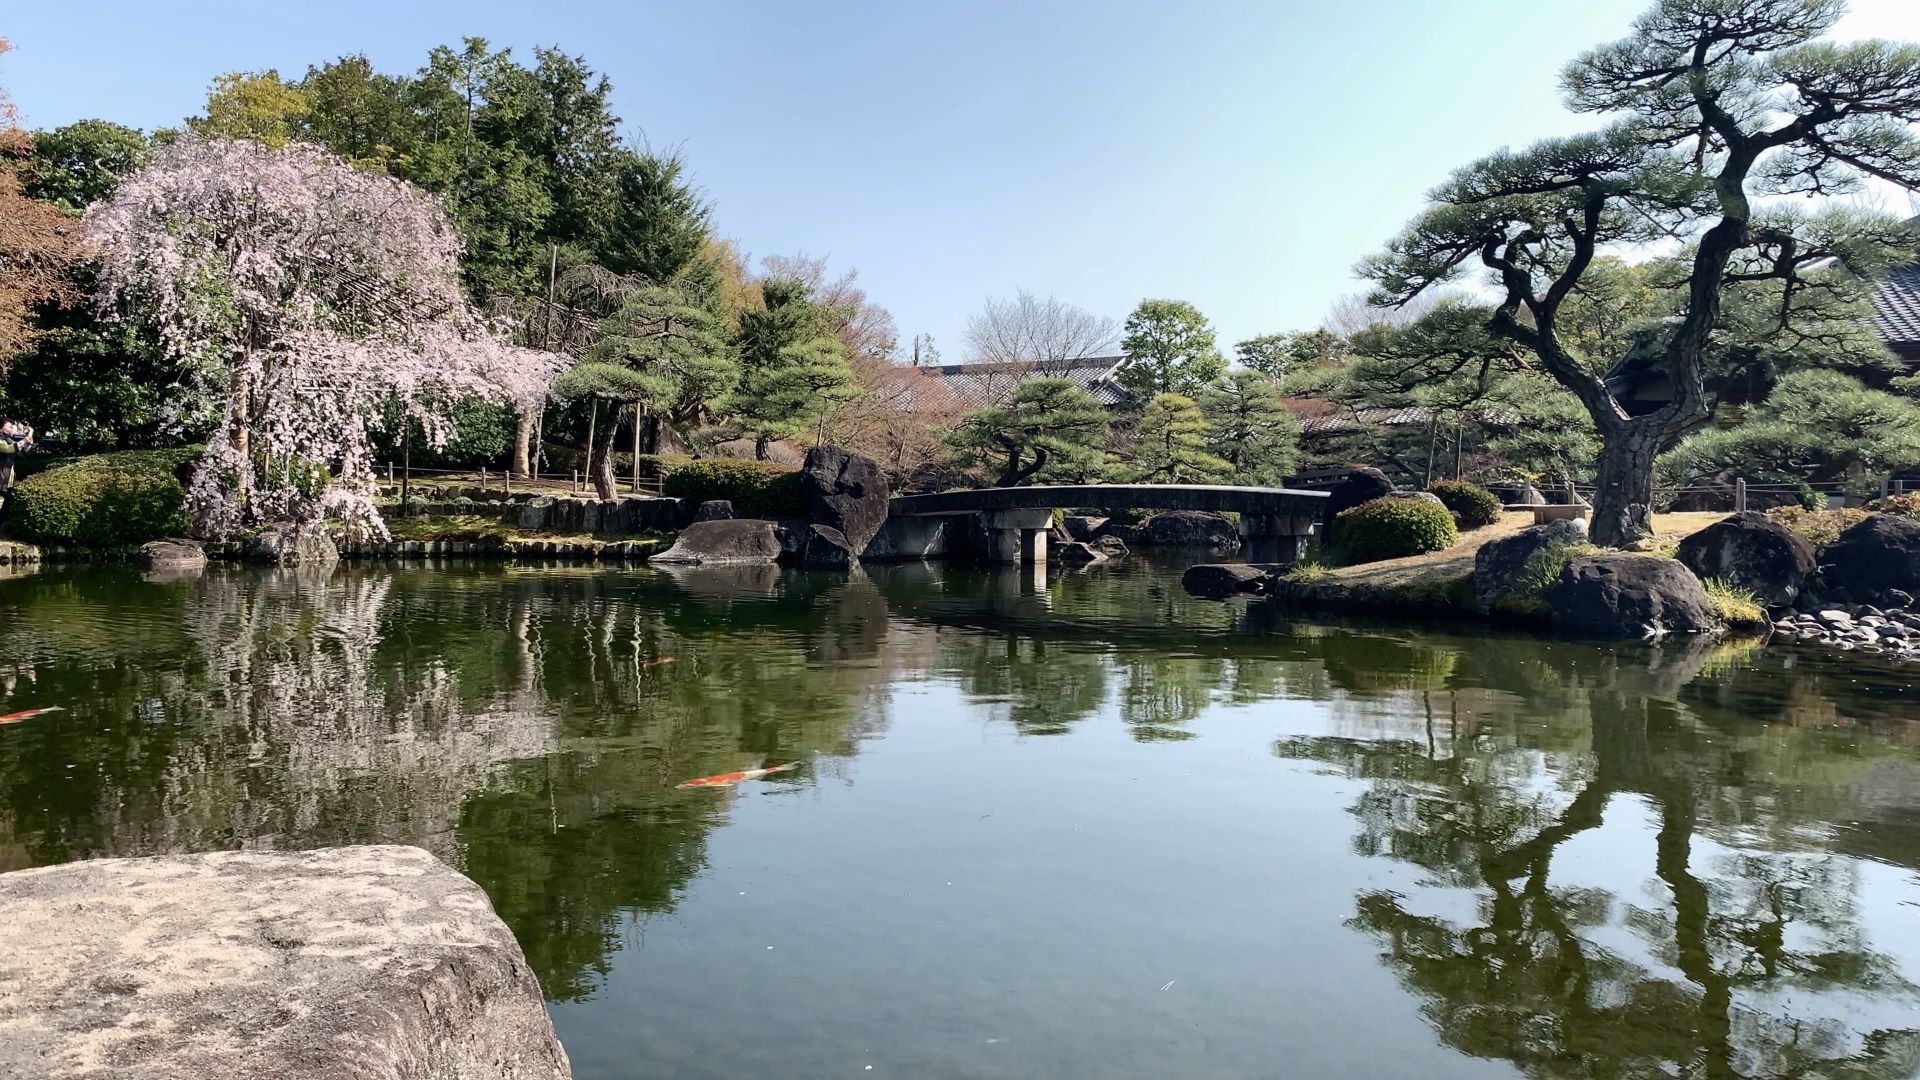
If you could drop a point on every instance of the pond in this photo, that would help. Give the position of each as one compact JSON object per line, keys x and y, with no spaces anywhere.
{"x":1084,"y":826}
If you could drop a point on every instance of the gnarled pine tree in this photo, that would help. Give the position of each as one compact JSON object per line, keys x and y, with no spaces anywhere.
{"x":1720,"y":104}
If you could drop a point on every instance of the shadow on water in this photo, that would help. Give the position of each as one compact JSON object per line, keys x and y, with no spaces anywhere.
{"x":530,"y":727}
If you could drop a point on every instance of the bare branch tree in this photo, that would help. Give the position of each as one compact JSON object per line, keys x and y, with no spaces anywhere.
{"x":1048,"y":333}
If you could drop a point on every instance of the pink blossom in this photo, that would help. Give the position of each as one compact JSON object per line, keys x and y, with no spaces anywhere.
{"x":307,"y":294}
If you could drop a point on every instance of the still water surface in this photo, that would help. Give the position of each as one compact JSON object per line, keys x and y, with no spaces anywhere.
{"x":1087,"y":827}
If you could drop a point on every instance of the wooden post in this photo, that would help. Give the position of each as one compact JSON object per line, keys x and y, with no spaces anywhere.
{"x":636,"y":449}
{"x":483,"y":478}
{"x":1739,"y":495}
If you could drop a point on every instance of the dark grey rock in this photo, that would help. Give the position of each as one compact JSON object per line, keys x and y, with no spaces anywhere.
{"x":1621,"y":596}
{"x":288,"y":544}
{"x":1501,"y":567}
{"x":1361,"y":486}
{"x":358,"y":963}
{"x":825,"y":548}
{"x":1082,"y":527}
{"x":1216,"y":581}
{"x":715,"y":510}
{"x":1190,"y":528}
{"x":1752,"y":551}
{"x":740,"y":540}
{"x":1109,"y":545}
{"x":1075,"y":553}
{"x":1873,"y":558}
{"x":170,"y":555}
{"x":845,"y":490}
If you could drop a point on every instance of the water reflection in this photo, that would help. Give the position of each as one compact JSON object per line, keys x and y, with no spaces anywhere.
{"x":1637,"y":861}
{"x":1731,"y":945}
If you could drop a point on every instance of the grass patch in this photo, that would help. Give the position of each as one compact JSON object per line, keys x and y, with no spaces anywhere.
{"x":1307,"y":572}
{"x":1734,"y":605}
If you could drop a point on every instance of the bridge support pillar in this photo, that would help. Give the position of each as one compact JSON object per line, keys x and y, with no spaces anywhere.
{"x":1275,"y":538}
{"x":1017,"y":536}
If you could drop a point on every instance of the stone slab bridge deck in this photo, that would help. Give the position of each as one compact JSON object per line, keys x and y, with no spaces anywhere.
{"x":1273,"y":521}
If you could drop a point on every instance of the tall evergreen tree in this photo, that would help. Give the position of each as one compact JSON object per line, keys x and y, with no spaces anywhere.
{"x":1250,"y":428}
{"x":792,"y":367}
{"x":1170,"y":444}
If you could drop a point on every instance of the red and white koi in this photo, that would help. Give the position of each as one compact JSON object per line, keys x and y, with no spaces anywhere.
{"x":27,"y":714}
{"x":732,"y":778}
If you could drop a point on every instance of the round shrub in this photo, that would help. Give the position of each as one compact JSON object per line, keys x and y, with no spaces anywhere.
{"x":1902,"y":505}
{"x":1474,"y":505}
{"x":1391,"y":529}
{"x":105,"y":501}
{"x":757,"y":489}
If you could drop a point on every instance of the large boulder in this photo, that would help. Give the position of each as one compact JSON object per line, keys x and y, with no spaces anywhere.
{"x":1752,"y":551}
{"x":1082,"y":527}
{"x":824,"y":547}
{"x":288,"y":544}
{"x":1523,"y":565}
{"x":715,"y":510}
{"x":170,"y":555}
{"x":1879,"y":554}
{"x":1190,"y":528}
{"x":352,"y":963}
{"x":1362,"y":485}
{"x":1076,"y":553}
{"x":737,"y":540}
{"x":1109,"y":545}
{"x":1625,"y":596}
{"x":1217,"y":581}
{"x":846,"y":491}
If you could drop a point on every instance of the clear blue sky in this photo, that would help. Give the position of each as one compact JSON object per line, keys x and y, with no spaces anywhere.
{"x":1240,"y":154}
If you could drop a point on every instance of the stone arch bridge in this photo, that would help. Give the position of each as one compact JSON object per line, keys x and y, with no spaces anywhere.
{"x":1273,"y":521}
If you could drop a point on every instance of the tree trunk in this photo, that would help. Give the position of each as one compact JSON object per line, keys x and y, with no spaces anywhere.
{"x":240,"y":430}
{"x":760,"y":448}
{"x":602,"y":456}
{"x":523,"y":444}
{"x":1623,"y":495}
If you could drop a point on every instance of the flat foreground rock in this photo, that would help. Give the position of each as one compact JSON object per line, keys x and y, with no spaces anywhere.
{"x":350,"y":963}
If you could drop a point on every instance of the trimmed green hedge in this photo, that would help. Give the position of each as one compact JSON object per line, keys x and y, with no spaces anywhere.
{"x":757,"y":489}
{"x":104,"y":501}
{"x":1476,"y":506}
{"x":1392,"y":529}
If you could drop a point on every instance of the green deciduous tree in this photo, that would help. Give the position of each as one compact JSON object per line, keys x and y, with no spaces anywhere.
{"x":1250,"y":428}
{"x":1170,"y":444}
{"x":1170,"y":349}
{"x":1279,"y":355}
{"x":256,"y":105}
{"x":83,"y":162}
{"x":1722,"y":102}
{"x":1049,"y":427}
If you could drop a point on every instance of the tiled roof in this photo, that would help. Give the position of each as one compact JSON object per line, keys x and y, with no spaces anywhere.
{"x":1896,"y":306}
{"x":978,"y":385}
{"x":1320,"y":417}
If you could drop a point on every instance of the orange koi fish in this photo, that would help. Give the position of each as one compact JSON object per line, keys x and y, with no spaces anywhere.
{"x":732,"y":778}
{"x":658,"y":662}
{"x":27,"y":714}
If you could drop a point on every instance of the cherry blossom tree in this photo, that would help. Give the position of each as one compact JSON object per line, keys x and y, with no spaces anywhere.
{"x":305,"y":294}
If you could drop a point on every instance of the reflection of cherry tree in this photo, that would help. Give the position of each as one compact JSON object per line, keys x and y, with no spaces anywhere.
{"x":1748,"y":963}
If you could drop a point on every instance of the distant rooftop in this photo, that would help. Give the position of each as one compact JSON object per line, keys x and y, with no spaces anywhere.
{"x":978,"y":385}
{"x":1896,"y":307}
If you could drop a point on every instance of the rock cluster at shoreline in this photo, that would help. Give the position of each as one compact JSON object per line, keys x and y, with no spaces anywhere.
{"x":1864,"y":628}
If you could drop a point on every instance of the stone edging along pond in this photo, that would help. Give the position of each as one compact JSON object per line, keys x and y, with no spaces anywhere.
{"x":1745,"y":573}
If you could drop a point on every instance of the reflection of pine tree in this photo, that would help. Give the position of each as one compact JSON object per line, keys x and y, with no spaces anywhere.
{"x":1529,"y":981}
